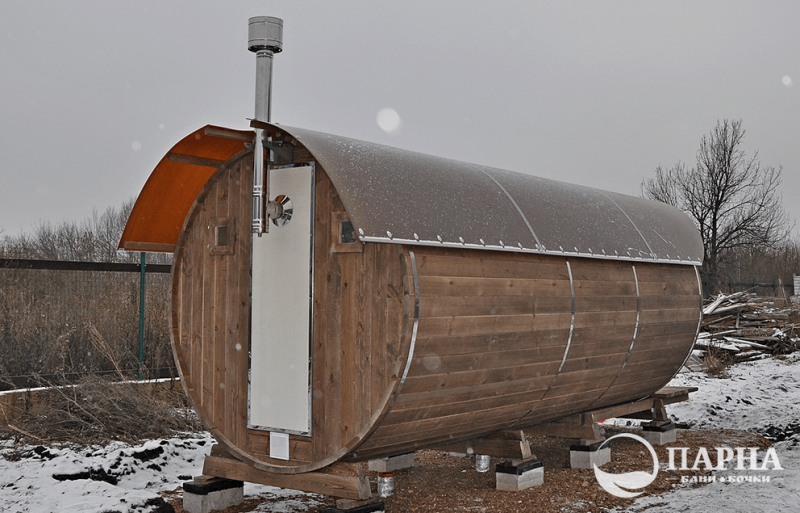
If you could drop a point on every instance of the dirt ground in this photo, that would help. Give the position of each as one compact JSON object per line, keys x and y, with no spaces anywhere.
{"x":441,"y":482}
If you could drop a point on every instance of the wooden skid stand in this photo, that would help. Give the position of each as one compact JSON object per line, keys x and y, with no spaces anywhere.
{"x":392,"y":463}
{"x":348,"y":481}
{"x":524,"y":470}
{"x":503,"y":444}
{"x":585,"y":426}
{"x":660,"y":430}
{"x":345,"y":480}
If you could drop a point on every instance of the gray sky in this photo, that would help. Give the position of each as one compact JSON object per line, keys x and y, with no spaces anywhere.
{"x":93,"y":94}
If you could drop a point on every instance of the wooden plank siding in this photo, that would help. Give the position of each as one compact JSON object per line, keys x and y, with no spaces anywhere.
{"x":477,"y":347}
{"x":361,"y":315}
{"x":494,"y":328}
{"x":499,"y":340}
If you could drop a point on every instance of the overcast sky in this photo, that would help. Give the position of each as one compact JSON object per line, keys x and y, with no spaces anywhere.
{"x":93,"y":94}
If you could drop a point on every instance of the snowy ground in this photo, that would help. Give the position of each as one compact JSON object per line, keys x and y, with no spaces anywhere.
{"x":115,"y":478}
{"x":753,"y":397}
{"x":761,"y":396}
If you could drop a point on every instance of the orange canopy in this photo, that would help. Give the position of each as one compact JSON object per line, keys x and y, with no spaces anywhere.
{"x":161,"y":208}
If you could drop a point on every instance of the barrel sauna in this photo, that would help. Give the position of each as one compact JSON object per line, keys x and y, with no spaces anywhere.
{"x":404,"y":301}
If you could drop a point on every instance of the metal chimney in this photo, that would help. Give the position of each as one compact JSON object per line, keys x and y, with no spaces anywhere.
{"x":265,"y":38}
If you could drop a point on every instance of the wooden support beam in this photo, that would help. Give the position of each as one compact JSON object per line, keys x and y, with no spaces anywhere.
{"x":584,"y":425}
{"x":659,"y":411}
{"x":641,"y":415}
{"x":218,"y":450}
{"x":191,"y":159}
{"x":346,"y":480}
{"x":673,"y":392}
{"x":204,"y":479}
{"x":503,"y":444}
{"x":619,"y":410}
{"x":148,"y":246}
{"x":224,"y":133}
{"x":574,"y":426}
{"x":675,"y":399}
{"x":669,"y":395}
{"x":345,"y":504}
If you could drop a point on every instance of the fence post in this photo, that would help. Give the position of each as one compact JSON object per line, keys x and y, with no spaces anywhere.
{"x":141,"y":314}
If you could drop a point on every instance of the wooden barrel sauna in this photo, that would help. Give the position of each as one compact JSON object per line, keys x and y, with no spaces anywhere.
{"x":420,"y":301}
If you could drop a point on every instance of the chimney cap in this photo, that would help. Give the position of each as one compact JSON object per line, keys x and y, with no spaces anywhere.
{"x":265,"y":33}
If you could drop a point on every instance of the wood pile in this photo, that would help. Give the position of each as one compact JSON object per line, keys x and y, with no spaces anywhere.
{"x":749,"y":327}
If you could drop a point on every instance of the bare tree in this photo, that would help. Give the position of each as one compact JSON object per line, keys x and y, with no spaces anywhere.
{"x":732,"y":198}
{"x":94,"y":239}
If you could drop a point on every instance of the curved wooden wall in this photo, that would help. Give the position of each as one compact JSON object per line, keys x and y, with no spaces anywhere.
{"x":361,"y":310}
{"x":509,"y":339}
{"x":495,"y":340}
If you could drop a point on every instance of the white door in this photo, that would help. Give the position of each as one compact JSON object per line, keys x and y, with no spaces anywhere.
{"x":280,"y":361}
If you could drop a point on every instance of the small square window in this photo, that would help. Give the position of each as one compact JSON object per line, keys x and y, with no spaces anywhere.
{"x":347,"y":232}
{"x":343,"y":234}
{"x":223,"y":236}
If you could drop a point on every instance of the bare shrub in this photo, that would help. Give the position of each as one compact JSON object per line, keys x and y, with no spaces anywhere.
{"x":64,"y":324}
{"x":70,"y":327}
{"x":773,"y":267}
{"x":95,"y":239}
{"x":718,"y":361}
{"x":98,"y":410}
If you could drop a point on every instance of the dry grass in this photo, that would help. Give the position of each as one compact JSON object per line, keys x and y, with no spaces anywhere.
{"x":62,"y":325}
{"x":97,"y":410}
{"x":76,"y":333}
{"x":64,"y":328}
{"x":718,"y":361}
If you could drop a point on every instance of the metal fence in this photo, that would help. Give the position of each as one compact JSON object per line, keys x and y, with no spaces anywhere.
{"x":769,"y":287}
{"x":60,"y":321}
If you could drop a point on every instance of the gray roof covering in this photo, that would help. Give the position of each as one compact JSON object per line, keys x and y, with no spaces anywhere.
{"x":400,"y":196}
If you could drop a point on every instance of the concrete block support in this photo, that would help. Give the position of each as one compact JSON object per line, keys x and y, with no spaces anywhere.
{"x":513,"y":478}
{"x":586,"y":456}
{"x":392,"y":463}
{"x":206,"y":494}
{"x":662,"y":434}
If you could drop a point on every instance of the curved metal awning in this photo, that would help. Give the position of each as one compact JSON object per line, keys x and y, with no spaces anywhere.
{"x":157,"y":217}
{"x":400,"y":196}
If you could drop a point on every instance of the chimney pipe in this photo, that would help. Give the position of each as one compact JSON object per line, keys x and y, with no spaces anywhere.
{"x":265,"y":38}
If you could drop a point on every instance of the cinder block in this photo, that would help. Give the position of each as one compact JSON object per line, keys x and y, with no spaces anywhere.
{"x":660,"y":435}
{"x":206,"y":495}
{"x":587,"y":456}
{"x":392,"y":463}
{"x":513,"y":478}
